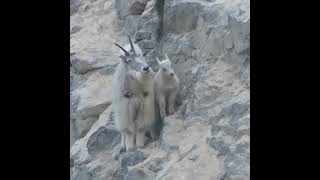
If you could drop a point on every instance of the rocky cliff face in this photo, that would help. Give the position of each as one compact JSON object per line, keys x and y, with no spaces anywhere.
{"x":208,"y":41}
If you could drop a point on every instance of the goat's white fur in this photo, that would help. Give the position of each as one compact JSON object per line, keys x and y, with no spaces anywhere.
{"x":166,"y":84}
{"x":134,"y":115}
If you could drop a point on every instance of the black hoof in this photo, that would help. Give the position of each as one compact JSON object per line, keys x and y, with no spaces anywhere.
{"x":122,"y":150}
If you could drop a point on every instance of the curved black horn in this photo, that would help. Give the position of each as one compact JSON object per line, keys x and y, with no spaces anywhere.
{"x":132,"y":47}
{"x":125,"y":51}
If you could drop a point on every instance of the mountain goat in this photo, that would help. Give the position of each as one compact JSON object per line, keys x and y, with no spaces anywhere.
{"x":166,"y":84}
{"x":133,"y":97}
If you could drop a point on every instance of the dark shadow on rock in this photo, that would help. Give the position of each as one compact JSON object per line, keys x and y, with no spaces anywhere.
{"x":75,"y":29}
{"x":160,"y":10}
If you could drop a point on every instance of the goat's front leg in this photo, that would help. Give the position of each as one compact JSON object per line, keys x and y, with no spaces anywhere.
{"x":162,"y":106}
{"x":123,"y":143}
{"x":153,"y":133}
{"x":171,"y":101}
{"x":129,"y":140}
{"x":140,"y":138}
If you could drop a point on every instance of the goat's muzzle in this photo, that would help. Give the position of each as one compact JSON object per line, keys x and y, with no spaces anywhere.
{"x":145,"y":68}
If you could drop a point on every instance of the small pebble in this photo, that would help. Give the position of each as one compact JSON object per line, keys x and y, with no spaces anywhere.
{"x":193,"y":157}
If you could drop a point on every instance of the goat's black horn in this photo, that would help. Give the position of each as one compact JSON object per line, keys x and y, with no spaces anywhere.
{"x":132,"y":47}
{"x":125,"y":51}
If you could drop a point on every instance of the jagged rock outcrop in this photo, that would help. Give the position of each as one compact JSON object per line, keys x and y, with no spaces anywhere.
{"x":208,"y":42}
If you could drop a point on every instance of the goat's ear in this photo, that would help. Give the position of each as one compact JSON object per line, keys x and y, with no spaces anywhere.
{"x":123,"y":58}
{"x":132,"y":47}
{"x":167,"y":56}
{"x":158,"y":60}
{"x":152,"y":72}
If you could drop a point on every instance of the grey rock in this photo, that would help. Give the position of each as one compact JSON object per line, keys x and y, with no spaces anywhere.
{"x":80,"y":66}
{"x":243,"y":148}
{"x":74,"y":134}
{"x":82,"y":175}
{"x":103,"y":139}
{"x":79,"y":151}
{"x":92,"y":155}
{"x":237,"y":167}
{"x":75,"y":29}
{"x":141,"y":35}
{"x":228,"y":42}
{"x":193,"y":157}
{"x":182,"y":17}
{"x":83,"y":64}
{"x":132,"y":158}
{"x":137,"y":8}
{"x":151,"y":25}
{"x":220,"y":146}
{"x":127,"y":7}
{"x":131,"y":24}
{"x":241,"y":35}
{"x":136,"y":174}
{"x":119,"y":174}
{"x":151,"y":55}
{"x":79,"y":128}
{"x":146,"y":45}
{"x":74,"y":6}
{"x":238,"y":153}
{"x":186,"y":153}
{"x":93,"y":96}
{"x":155,"y":165}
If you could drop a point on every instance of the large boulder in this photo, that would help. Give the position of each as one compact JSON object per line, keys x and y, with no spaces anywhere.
{"x":88,"y":101}
{"x":94,"y":28}
{"x":93,"y":96}
{"x":92,"y":154}
{"x":93,"y":34}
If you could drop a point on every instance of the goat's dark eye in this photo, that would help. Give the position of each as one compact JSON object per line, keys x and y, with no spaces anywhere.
{"x":164,"y":69}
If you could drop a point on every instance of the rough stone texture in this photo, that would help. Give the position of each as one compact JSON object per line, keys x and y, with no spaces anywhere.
{"x":183,"y":142}
{"x":93,"y":56}
{"x":103,"y":139}
{"x":94,"y":159}
{"x":208,"y":43}
{"x":88,"y":101}
{"x":182,"y":17}
{"x":74,"y":6}
{"x":136,"y":174}
{"x":132,"y":158}
{"x":93,"y":45}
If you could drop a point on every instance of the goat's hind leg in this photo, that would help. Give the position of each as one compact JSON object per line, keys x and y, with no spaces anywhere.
{"x":171,"y":102}
{"x":162,"y":106}
{"x":155,"y":130}
{"x":129,"y":141}
{"x":153,"y":133}
{"x":123,"y":143}
{"x":140,"y":139}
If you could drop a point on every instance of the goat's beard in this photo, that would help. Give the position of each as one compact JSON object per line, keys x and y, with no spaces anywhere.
{"x":141,"y":76}
{"x":136,"y":75}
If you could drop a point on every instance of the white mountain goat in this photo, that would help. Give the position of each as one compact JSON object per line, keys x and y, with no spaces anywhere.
{"x":166,"y":84}
{"x":133,"y":98}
